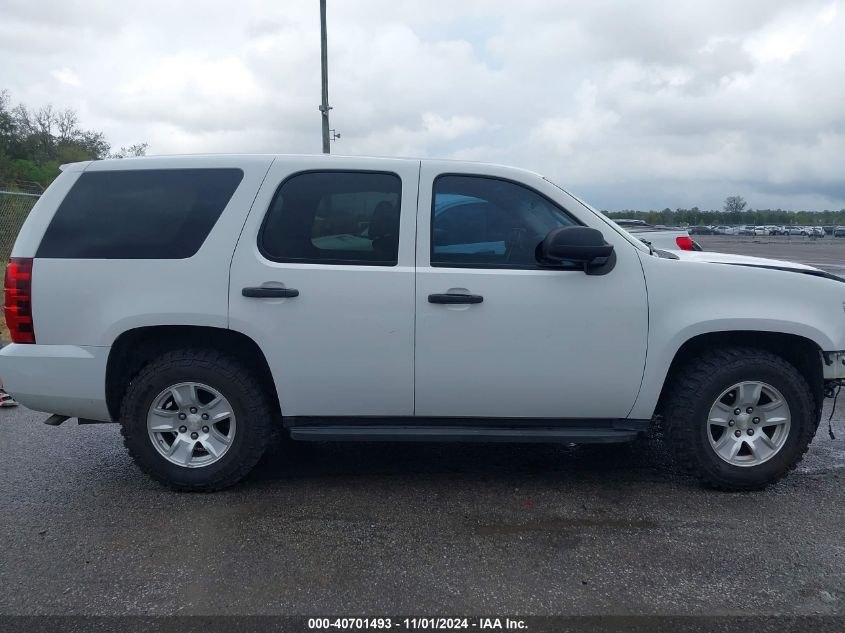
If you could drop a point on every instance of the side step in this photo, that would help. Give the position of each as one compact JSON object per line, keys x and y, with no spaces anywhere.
{"x":443,"y":433}
{"x":57,"y":419}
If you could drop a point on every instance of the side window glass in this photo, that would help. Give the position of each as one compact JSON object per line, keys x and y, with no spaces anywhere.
{"x":480,"y":221}
{"x":334,"y":217}
{"x":139,"y":213}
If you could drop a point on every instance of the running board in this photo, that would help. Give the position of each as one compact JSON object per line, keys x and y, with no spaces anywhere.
{"x":443,"y":433}
{"x":57,"y":419}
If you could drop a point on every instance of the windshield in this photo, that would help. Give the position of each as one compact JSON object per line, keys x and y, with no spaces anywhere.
{"x":634,"y":240}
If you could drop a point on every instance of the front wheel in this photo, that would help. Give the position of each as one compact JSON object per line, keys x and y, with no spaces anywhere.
{"x":196,"y":420}
{"x":739,"y":418}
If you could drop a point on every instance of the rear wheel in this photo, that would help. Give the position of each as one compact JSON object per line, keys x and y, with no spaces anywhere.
{"x":196,"y":420}
{"x":739,"y":418}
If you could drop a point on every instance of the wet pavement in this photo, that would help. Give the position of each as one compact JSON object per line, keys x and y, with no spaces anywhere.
{"x":827,"y":253}
{"x":419,"y":528}
{"x":412,"y":528}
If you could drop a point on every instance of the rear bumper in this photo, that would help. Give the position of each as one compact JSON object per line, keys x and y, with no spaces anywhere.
{"x":65,"y":379}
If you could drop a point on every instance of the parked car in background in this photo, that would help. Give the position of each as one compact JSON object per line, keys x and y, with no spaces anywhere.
{"x":815,"y":231}
{"x":761,"y":230}
{"x":828,"y":229}
{"x":700,"y":230}
{"x":746,"y":230}
{"x":839,"y":231}
{"x":660,"y":236}
{"x":726,"y":230}
{"x":794,"y":230}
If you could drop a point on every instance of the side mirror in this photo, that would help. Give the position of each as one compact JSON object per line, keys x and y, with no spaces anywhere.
{"x":580,"y":244}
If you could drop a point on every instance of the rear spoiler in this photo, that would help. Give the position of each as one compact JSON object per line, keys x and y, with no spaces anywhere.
{"x":81,"y":166}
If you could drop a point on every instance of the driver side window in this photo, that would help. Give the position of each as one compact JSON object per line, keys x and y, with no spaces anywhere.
{"x":483,"y":222}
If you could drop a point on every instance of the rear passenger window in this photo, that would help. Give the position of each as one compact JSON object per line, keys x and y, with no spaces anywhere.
{"x":334,"y":217}
{"x":139,"y":214}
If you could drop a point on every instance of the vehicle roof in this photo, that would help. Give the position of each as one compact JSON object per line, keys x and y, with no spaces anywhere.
{"x":109,"y":163}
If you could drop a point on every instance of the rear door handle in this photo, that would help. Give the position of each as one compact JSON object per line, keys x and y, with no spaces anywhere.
{"x":454,"y":299}
{"x":268,"y":292}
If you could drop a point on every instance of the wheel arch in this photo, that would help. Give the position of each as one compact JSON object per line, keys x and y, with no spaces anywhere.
{"x":134,"y":348}
{"x":800,"y":351}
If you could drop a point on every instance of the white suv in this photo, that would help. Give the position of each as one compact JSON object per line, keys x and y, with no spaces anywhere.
{"x":203,"y":302}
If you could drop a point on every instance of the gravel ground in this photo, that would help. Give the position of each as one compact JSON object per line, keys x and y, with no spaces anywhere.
{"x":393,"y":528}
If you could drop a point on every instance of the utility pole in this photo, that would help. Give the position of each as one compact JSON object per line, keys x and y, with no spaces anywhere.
{"x":324,"y":61}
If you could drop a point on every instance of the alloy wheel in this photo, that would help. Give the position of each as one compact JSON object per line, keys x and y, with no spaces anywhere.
{"x":191,"y":424}
{"x":748,"y":424}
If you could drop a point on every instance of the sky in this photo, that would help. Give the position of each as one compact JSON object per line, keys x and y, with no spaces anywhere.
{"x":629,"y":104}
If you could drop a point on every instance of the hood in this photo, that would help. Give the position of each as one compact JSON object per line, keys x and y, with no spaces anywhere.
{"x":753,"y":262}
{"x":743,"y":260}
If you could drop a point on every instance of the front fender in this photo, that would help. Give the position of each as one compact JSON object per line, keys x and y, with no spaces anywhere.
{"x":690,"y":298}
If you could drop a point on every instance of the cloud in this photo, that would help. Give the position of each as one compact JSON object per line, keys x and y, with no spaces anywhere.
{"x":66,"y":76}
{"x":637,"y":104}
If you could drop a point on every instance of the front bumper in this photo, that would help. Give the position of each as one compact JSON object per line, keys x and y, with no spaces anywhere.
{"x":833,"y":365}
{"x":65,"y":379}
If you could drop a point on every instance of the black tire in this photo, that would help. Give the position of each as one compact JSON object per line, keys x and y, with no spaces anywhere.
{"x":233,"y":380}
{"x":697,"y":387}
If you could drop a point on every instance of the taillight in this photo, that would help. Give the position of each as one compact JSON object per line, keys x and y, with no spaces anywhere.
{"x":18,"y":304}
{"x":684,"y":243}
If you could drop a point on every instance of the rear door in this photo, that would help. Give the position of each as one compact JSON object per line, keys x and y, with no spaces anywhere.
{"x":323,"y":280}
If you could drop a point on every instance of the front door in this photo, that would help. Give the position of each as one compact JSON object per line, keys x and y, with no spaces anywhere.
{"x":499,"y":336}
{"x":323,"y":280}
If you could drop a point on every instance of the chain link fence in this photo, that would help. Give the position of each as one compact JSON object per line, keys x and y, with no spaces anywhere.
{"x":15,"y":204}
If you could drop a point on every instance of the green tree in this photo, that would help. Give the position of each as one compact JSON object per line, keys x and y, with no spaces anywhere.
{"x":735,"y":204}
{"x":139,"y":149}
{"x":34,"y":143}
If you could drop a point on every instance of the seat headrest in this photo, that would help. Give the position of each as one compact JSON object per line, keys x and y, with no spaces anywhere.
{"x":385,"y":221}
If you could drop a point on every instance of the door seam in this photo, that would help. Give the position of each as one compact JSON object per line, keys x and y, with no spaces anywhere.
{"x":237,"y":242}
{"x":414,"y":354}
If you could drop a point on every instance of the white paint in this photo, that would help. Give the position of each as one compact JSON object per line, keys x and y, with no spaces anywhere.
{"x":363,"y":340}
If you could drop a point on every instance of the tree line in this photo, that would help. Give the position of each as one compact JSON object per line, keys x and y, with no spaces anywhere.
{"x":35,"y":142}
{"x":732,"y":215}
{"x":763,"y":217}
{"x":733,"y":212}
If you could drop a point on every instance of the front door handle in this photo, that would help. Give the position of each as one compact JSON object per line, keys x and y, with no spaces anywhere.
{"x":454,"y":299}
{"x":269,"y":292}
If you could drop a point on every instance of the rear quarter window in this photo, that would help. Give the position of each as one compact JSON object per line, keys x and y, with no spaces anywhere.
{"x":139,"y":214}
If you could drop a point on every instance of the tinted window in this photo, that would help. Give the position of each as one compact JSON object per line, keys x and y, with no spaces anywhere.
{"x":334,"y":218}
{"x":139,"y":214}
{"x":478,"y":221}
